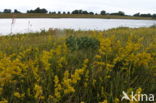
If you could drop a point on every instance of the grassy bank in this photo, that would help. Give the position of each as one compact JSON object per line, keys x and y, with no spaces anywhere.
{"x":71,"y":16}
{"x":67,"y":66}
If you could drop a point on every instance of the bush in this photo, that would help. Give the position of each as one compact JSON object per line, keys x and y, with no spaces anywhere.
{"x":79,"y":43}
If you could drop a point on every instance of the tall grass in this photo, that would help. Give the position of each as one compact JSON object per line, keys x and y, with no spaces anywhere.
{"x":67,"y":66}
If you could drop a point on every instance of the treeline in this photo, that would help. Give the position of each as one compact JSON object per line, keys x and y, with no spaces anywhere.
{"x":103,"y":12}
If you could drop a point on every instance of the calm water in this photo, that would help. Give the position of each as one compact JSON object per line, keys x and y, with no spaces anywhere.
{"x":33,"y":25}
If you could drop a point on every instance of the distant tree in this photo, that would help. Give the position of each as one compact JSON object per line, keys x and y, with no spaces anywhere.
{"x":103,"y":12}
{"x":120,"y":13}
{"x":154,"y":15}
{"x":84,"y":12}
{"x":64,"y":12}
{"x":137,"y":14}
{"x":37,"y":10}
{"x":80,"y":12}
{"x":59,"y":12}
{"x":16,"y":11}
{"x":91,"y":13}
{"x":29,"y":11}
{"x":75,"y":12}
{"x":7,"y":11}
{"x":68,"y":12}
{"x":54,"y":12}
{"x":146,"y":15}
{"x":113,"y":14}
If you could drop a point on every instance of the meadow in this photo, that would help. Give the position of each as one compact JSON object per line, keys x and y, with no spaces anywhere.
{"x":67,"y":66}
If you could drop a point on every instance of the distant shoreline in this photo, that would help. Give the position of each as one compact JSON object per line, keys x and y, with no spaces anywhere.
{"x":37,"y":15}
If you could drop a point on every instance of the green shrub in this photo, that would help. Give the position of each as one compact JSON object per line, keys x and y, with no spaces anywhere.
{"x":82,"y":43}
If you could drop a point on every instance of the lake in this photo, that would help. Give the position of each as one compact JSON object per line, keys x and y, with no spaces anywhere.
{"x":34,"y":25}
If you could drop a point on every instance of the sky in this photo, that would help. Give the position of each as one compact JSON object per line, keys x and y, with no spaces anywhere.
{"x":128,"y":6}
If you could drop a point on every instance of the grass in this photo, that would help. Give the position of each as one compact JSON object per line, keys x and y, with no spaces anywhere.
{"x":37,"y":15}
{"x":67,"y":66}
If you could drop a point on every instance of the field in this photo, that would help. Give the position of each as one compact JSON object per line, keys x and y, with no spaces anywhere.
{"x":67,"y":66}
{"x":39,"y":15}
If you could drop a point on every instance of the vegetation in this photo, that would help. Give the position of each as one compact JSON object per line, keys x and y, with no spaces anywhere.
{"x":74,"y":43}
{"x":42,"y":12}
{"x":103,"y":12}
{"x":119,"y":13}
{"x":7,"y":11}
{"x":37,"y":10}
{"x":42,"y":15}
{"x":67,"y":66}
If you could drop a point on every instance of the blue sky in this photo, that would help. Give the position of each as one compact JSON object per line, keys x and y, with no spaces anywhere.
{"x":128,"y":6}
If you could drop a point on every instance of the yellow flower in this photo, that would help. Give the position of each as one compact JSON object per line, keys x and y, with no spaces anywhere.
{"x":45,"y":59}
{"x":139,"y":90}
{"x":1,"y":90}
{"x":69,"y":89}
{"x":117,"y":100}
{"x":143,"y":59}
{"x":4,"y":101}
{"x":17,"y":94}
{"x":98,"y":56}
{"x":67,"y":83}
{"x":86,"y":61}
{"x":38,"y":90}
{"x":105,"y":101}
{"x":58,"y":88}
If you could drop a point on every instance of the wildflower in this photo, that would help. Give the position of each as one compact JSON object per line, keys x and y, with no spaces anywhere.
{"x":94,"y":82}
{"x":98,"y":56}
{"x":45,"y":59}
{"x":18,"y":95}
{"x":4,"y":101}
{"x":105,"y":101}
{"x":86,"y":61}
{"x":38,"y":91}
{"x":116,"y":100}
{"x":58,"y":88}
{"x":143,"y":59}
{"x":69,"y":89}
{"x":78,"y":72}
{"x":139,"y":90}
{"x":67,"y":84}
{"x":1,"y":90}
{"x":61,"y":62}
